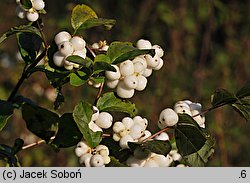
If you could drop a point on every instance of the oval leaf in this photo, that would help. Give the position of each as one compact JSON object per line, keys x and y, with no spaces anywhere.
{"x":80,"y":14}
{"x":109,"y":102}
{"x":222,"y":97}
{"x":94,"y":22}
{"x":78,"y":78}
{"x":82,"y":116}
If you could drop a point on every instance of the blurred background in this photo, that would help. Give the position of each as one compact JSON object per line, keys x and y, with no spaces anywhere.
{"x":207,"y":46}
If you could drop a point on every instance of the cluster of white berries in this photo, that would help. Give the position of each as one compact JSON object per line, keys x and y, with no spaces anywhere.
{"x":32,"y":13}
{"x":130,"y":130}
{"x":169,"y":117}
{"x":67,"y":46}
{"x":131,"y":75}
{"x":100,"y":120}
{"x":97,"y":157}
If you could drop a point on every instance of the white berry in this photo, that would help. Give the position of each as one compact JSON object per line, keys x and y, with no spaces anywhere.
{"x":147,"y":72}
{"x":142,"y":83}
{"x":151,"y":163}
{"x":62,"y":37}
{"x":112,"y":83}
{"x":123,"y":91}
{"x":111,"y":75}
{"x":81,"y":149}
{"x":94,"y":127}
{"x":38,"y":4}
{"x":134,"y":162}
{"x":32,"y":16}
{"x":66,"y":48}
{"x":163,"y":136}
{"x":80,"y":53}
{"x":127,"y":68}
{"x":143,"y":44}
{"x":118,"y":126}
{"x":96,"y":160}
{"x":152,"y":62}
{"x":168,"y":117}
{"x":104,"y":120}
{"x":131,"y":81}
{"x":95,"y":114}
{"x":78,"y":43}
{"x":85,"y":160}
{"x":158,"y":50}
{"x":136,"y":131}
{"x":161,"y":160}
{"x":124,"y":141}
{"x":58,"y":59}
{"x":198,"y":118}
{"x":20,"y":12}
{"x":159,"y":66}
{"x":128,"y":122}
{"x":145,"y":136}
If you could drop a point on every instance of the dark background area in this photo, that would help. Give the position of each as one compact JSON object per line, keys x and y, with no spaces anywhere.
{"x":207,"y":46}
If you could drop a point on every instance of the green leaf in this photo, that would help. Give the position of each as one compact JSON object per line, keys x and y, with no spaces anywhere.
{"x":78,"y":78}
{"x":40,"y":121}
{"x":158,"y":146}
{"x":80,"y":14}
{"x":102,"y":58}
{"x":29,"y":46}
{"x":222,"y":97}
{"x":242,"y":106}
{"x":244,"y":91}
{"x":109,"y":102}
{"x":202,"y":156}
{"x":115,"y":163}
{"x":21,"y":28}
{"x":6,"y":110}
{"x":121,"y":51}
{"x":26,"y":4}
{"x":94,"y":22}
{"x":68,"y":133}
{"x":189,"y":137}
{"x":141,"y":153}
{"x":79,"y":60}
{"x":82,"y":115}
{"x":102,"y":66}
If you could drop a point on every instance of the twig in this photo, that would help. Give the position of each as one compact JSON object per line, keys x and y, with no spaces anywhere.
{"x":36,"y":143}
{"x":99,"y":93}
{"x":91,"y":51}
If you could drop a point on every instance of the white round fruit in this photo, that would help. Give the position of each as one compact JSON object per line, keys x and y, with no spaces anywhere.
{"x":32,"y":16}
{"x":118,"y":126}
{"x":128,"y":122}
{"x":94,"y":127}
{"x":100,"y":148}
{"x":20,"y":12}
{"x":127,"y":68}
{"x":176,"y":157}
{"x":123,"y":91}
{"x":158,"y":50}
{"x":143,"y":44}
{"x":66,"y":48}
{"x":104,"y":120}
{"x":111,"y":75}
{"x":141,"y":121}
{"x":81,"y":149}
{"x":147,"y":72}
{"x":68,"y":67}
{"x":136,"y":131}
{"x":145,"y":136}
{"x":142,"y":83}
{"x":141,"y":60}
{"x":112,"y":83}
{"x":85,"y":160}
{"x":182,"y":108}
{"x":124,"y":132}
{"x":198,"y":118}
{"x":58,"y":59}
{"x":80,"y":53}
{"x":168,"y":117}
{"x":131,"y":81}
{"x":124,"y":141}
{"x":96,"y":160}
{"x":139,"y":67}
{"x":134,"y":162}
{"x":116,"y":137}
{"x":38,"y":4}
{"x":152,"y":62}
{"x":159,"y":66}
{"x":78,"y":43}
{"x":163,"y":136}
{"x":95,"y":114}
{"x":62,"y":37}
{"x":106,"y":160}
{"x":161,"y":160}
{"x":195,"y":106}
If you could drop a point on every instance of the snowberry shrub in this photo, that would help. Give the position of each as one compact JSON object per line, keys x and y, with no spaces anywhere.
{"x":99,"y":138}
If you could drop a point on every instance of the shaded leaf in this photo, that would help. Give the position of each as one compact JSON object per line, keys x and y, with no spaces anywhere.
{"x":94,"y":22}
{"x":18,"y":29}
{"x":40,"y":121}
{"x":242,"y":106}
{"x":80,"y":14}
{"x":115,"y":163}
{"x":189,"y":137}
{"x":26,"y":4}
{"x":158,"y":146}
{"x":102,"y":66}
{"x":79,"y":60}
{"x":222,"y":97}
{"x":82,"y":115}
{"x":78,"y":78}
{"x":109,"y":102}
{"x":244,"y":91}
{"x":121,"y":51}
{"x":29,"y":46}
{"x":6,"y":110}
{"x":68,"y":133}
{"x":17,"y":146}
